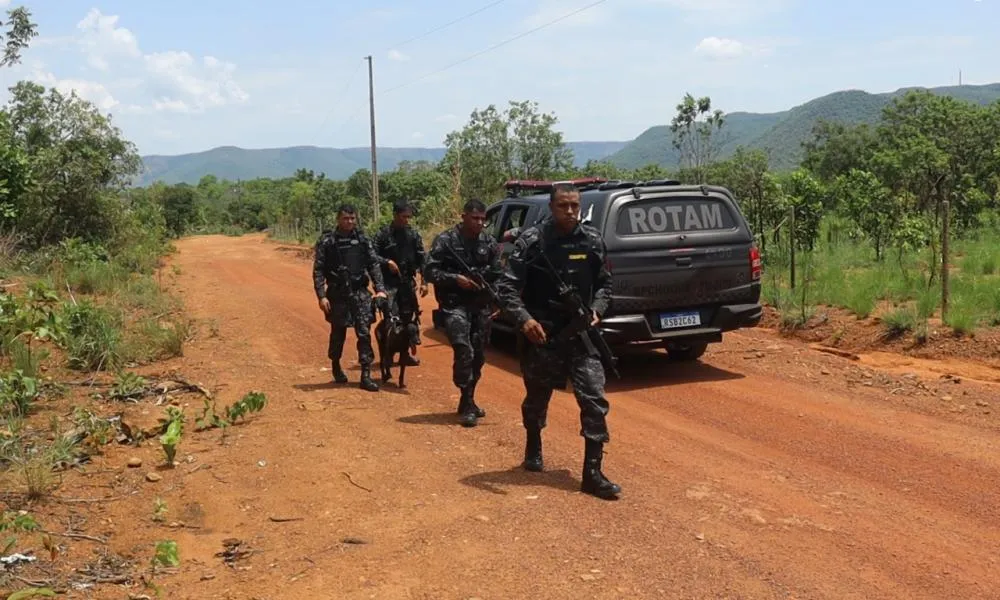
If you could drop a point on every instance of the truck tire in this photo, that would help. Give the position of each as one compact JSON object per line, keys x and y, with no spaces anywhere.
{"x":680,"y":352}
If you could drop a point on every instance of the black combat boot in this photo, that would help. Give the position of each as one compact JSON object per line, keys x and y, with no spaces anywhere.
{"x":594,"y":482}
{"x":367,"y":383}
{"x":467,"y":415}
{"x":338,"y":374}
{"x":533,"y":450}
{"x":408,"y":360}
{"x":480,"y":413}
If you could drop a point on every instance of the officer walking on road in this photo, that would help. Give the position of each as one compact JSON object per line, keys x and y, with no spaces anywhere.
{"x":465,"y":305}
{"x":400,"y":251}
{"x":343,"y":262}
{"x":529,"y":292}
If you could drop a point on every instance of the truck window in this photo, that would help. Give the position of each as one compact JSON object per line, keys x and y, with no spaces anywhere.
{"x":685,"y":214}
{"x":515,"y":217}
{"x":492,"y":220}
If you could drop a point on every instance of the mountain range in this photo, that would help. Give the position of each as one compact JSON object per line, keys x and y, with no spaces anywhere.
{"x":781,"y":133}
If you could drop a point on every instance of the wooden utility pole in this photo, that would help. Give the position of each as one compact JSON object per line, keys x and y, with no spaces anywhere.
{"x":371,"y":107}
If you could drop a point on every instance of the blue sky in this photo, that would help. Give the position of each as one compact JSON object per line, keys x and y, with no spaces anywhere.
{"x":186,"y":76}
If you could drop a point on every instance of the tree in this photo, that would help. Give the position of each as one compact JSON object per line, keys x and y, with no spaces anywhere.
{"x":805,"y":195}
{"x":837,"y":148}
{"x":179,"y":210}
{"x":695,"y":127}
{"x":20,"y":31}
{"x":937,"y":148}
{"x":746,"y":176}
{"x":15,"y":176}
{"x":495,"y":146}
{"x":869,"y":205}
{"x":79,"y":161}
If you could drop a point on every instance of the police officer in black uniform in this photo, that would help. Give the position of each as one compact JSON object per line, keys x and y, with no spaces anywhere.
{"x":465,"y":305}
{"x":528,"y":291}
{"x":400,"y":251}
{"x":343,"y":262}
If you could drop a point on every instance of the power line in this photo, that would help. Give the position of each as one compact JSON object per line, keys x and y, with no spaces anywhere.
{"x":498,"y":45}
{"x":446,"y":25}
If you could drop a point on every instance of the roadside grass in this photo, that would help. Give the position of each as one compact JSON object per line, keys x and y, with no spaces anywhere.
{"x":73,"y":307}
{"x":902,"y":290}
{"x":75,"y":323}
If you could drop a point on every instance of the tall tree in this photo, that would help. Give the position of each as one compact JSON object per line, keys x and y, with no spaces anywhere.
{"x":696,"y":127}
{"x":494,"y":146}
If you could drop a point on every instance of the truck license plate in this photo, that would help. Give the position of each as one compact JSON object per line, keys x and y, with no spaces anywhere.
{"x":680,"y":319}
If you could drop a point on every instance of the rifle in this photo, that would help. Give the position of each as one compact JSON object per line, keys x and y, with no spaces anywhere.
{"x":476,"y":276}
{"x":580,"y":324}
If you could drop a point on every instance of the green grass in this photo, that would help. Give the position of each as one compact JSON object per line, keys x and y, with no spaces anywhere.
{"x":845,"y":274}
{"x":89,"y":309}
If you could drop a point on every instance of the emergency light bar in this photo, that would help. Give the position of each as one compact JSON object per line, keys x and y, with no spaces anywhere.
{"x":513,"y":186}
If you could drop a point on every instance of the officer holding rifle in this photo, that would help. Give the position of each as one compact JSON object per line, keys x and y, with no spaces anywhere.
{"x":555,"y":287}
{"x":463,"y":263}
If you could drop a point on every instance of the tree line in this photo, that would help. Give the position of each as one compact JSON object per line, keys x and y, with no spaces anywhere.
{"x":65,"y":172}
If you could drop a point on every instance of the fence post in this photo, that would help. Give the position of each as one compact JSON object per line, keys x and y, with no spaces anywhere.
{"x":946,"y":221}
{"x":791,"y":244}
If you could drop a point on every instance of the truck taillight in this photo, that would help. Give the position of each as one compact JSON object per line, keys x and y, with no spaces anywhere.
{"x":755,"y":266}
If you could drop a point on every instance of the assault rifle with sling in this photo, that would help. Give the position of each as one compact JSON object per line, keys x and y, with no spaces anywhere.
{"x":580,"y":324}
{"x":475,"y":276}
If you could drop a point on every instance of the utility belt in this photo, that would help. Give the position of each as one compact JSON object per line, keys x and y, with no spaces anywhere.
{"x":345,"y":281}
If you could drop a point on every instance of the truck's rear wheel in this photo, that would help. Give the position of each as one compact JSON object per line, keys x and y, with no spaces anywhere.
{"x":685,"y":352}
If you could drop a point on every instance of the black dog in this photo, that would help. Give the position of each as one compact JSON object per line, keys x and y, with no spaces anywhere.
{"x":395,"y":337}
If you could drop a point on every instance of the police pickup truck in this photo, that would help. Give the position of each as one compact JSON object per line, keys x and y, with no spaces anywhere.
{"x":684,"y":263}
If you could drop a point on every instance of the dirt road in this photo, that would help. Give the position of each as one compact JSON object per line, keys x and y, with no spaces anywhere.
{"x":766,"y":471}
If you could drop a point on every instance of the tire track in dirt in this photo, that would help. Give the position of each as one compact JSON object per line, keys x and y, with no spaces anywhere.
{"x":737,"y":483}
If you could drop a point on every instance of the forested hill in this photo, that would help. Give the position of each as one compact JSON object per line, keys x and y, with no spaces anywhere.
{"x":232,"y":163}
{"x":783,"y":133}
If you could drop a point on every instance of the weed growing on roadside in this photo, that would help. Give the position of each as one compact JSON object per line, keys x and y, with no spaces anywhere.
{"x":172,"y":435}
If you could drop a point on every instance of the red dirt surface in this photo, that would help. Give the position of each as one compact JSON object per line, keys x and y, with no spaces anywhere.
{"x":767,"y":470}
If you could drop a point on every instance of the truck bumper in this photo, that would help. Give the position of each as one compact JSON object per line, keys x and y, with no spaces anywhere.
{"x":620,"y":330}
{"x":630,"y":329}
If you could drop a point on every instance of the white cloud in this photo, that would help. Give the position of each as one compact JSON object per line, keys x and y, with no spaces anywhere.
{"x":170,"y":81}
{"x":91,"y":91}
{"x":445,"y":118}
{"x":417,"y":135}
{"x":714,"y":47}
{"x":397,"y":55}
{"x":197,"y":85}
{"x":101,"y":39}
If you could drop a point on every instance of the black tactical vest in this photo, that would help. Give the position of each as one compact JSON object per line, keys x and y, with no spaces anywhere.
{"x":574,"y":260}
{"x":349,"y":251}
{"x":477,"y":256}
{"x":400,"y":250}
